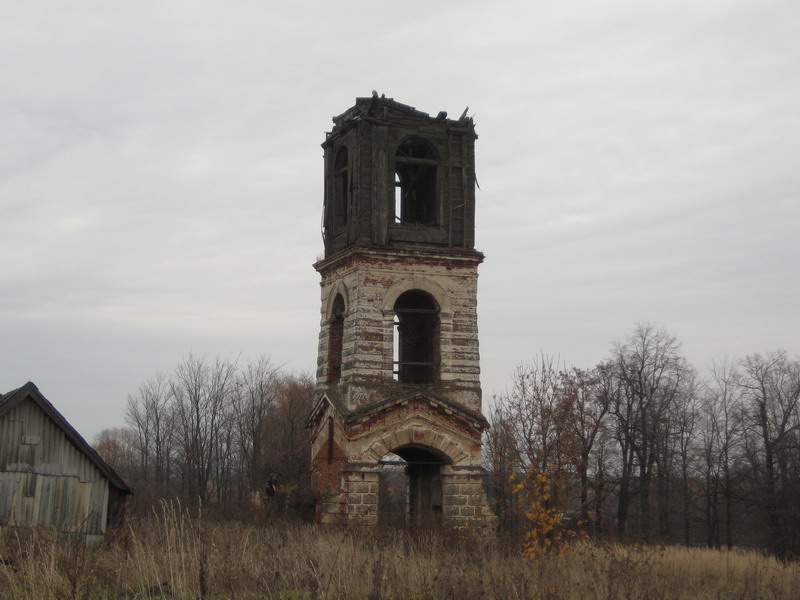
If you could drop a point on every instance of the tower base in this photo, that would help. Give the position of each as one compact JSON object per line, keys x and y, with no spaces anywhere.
{"x":414,"y":462}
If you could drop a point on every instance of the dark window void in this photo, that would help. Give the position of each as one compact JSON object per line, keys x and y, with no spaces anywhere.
{"x":341,"y":189}
{"x":416,"y":340}
{"x":415,"y":182}
{"x":336,"y":335}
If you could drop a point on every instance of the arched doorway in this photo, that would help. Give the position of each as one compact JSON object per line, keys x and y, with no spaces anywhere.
{"x":410,"y":487}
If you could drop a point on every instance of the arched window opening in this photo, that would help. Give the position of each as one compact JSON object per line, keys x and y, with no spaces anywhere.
{"x":335,"y":339}
{"x":341,"y":189}
{"x":416,"y":166}
{"x":416,"y":339}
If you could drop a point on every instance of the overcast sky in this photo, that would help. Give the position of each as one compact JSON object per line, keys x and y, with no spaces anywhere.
{"x":161,"y":176}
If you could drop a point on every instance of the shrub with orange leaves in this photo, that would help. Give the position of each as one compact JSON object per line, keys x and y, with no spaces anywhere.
{"x":548,"y":531}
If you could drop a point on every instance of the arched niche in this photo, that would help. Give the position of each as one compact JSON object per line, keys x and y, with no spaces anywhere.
{"x":336,"y":338}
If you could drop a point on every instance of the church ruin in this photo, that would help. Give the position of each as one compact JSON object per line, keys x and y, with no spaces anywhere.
{"x":397,"y":423}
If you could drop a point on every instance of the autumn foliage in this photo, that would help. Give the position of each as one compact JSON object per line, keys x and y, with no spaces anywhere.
{"x":547,"y":528}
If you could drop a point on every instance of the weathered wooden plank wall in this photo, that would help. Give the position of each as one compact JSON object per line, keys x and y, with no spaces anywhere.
{"x":45,"y":480}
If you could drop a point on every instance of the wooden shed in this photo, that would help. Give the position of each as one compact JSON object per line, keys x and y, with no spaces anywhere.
{"x":49,"y":475}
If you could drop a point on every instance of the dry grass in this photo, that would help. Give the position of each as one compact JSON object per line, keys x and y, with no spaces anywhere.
{"x":172,"y":555}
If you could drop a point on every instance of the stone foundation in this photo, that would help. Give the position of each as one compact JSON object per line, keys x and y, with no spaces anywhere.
{"x":355,"y":503}
{"x":464,"y":499}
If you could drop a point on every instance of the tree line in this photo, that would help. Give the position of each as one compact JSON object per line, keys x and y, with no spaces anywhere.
{"x":643,"y":447}
{"x":211,"y":432}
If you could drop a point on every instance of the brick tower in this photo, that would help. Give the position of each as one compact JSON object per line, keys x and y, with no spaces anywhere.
{"x":397,"y":423}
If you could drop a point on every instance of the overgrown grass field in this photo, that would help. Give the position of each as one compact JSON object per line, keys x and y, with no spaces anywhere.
{"x":173,"y":555}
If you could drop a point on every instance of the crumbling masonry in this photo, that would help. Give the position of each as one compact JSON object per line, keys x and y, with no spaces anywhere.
{"x":397,"y":423}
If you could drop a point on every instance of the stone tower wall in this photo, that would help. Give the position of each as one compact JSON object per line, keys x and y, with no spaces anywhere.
{"x":370,"y":282}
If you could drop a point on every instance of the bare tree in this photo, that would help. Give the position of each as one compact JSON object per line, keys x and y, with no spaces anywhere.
{"x":538,"y":408}
{"x":202,"y":391}
{"x":212,"y":432}
{"x":553,"y":422}
{"x":685,"y":419}
{"x":771,"y":387}
{"x":291,"y":439}
{"x":254,"y":404}
{"x":652,"y":374}
{"x":719,"y":444}
{"x":590,"y":395}
{"x":150,"y":415}
{"x":501,"y":460}
{"x":118,"y":447}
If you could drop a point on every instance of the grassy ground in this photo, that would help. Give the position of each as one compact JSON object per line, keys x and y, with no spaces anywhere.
{"x":173,"y":556}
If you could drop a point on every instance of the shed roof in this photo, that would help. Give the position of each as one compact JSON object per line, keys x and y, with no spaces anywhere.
{"x":29,"y":391}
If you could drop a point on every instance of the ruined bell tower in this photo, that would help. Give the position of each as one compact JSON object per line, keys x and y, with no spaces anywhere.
{"x":397,"y":422}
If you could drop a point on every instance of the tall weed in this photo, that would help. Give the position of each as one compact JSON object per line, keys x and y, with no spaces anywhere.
{"x":178,"y":555}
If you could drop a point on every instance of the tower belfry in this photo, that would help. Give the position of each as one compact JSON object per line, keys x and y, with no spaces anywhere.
{"x":397,"y":423}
